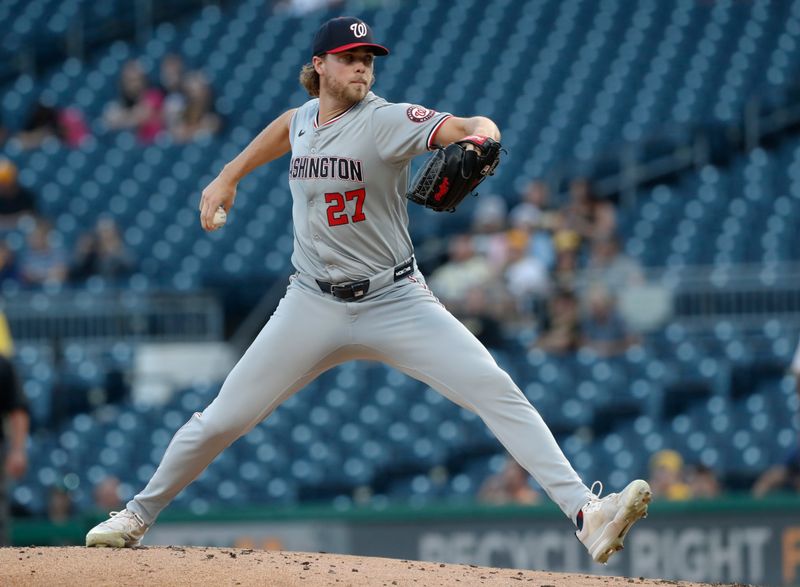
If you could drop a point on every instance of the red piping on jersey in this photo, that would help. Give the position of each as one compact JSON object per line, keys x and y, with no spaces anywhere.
{"x":334,"y":119}
{"x":424,"y":286}
{"x":432,"y":136}
{"x":480,"y":139}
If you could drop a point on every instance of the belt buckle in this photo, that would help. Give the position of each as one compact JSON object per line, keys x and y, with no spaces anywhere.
{"x":351,"y":291}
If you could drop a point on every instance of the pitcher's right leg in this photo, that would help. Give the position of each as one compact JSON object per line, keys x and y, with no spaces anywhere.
{"x":298,"y":343}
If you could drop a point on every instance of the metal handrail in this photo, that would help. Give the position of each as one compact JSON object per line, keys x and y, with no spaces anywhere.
{"x":693,"y":154}
{"x":115,"y":316}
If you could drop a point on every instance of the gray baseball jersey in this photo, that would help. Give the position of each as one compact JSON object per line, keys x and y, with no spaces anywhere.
{"x":348,"y":179}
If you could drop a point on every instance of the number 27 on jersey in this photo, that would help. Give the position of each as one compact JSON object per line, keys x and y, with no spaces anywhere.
{"x":336,"y":203}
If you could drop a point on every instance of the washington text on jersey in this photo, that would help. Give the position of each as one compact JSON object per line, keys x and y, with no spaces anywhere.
{"x":310,"y":167}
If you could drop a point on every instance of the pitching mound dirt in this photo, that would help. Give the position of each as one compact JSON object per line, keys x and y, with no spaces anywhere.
{"x":175,"y":566}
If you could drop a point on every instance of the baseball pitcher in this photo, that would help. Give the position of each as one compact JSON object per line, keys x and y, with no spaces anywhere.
{"x":357,"y":293}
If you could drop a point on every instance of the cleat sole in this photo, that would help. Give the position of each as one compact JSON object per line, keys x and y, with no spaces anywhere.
{"x":639,"y":496}
{"x":105,"y":541}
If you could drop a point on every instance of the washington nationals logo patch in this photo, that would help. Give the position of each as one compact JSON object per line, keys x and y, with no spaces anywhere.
{"x":419,"y":113}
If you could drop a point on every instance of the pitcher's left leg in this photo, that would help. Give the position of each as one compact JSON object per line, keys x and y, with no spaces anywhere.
{"x":422,"y":339}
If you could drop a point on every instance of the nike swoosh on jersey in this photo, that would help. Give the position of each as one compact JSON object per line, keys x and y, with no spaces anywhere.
{"x":301,"y":133}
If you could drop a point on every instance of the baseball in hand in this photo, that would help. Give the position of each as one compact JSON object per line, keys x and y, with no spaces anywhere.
{"x":220,"y":217}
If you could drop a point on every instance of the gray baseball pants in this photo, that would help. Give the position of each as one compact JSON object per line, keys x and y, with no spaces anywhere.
{"x":402,"y":325}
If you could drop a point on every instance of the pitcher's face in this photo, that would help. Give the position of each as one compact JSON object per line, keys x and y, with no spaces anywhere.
{"x":346,"y":76}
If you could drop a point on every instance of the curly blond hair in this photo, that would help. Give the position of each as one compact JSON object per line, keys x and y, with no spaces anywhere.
{"x":309,"y":79}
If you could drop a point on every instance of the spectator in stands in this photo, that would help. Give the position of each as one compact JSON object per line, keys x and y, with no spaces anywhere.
{"x":602,"y":328}
{"x":477,"y":315}
{"x":565,"y":272}
{"x":107,"y":495}
{"x":609,"y":265}
{"x":198,"y":117}
{"x":102,"y":252}
{"x":586,"y":213}
{"x":171,"y":75}
{"x":488,"y":230}
{"x":6,"y":342}
{"x":59,"y":505}
{"x":526,"y":276}
{"x":784,"y":476}
{"x":540,"y":237}
{"x":15,"y":200}
{"x":47,"y":121}
{"x":42,"y":123}
{"x":703,"y":482}
{"x":561,"y":331}
{"x":43,"y":261}
{"x":74,"y":128}
{"x":463,"y":271}
{"x":8,"y":264}
{"x":667,"y":476}
{"x":138,"y":106}
{"x":14,"y":424}
{"x":509,"y":486}
{"x":534,"y":206}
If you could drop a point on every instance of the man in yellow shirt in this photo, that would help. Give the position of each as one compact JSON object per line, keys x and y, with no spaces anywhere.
{"x":667,"y":476}
{"x":14,"y":424}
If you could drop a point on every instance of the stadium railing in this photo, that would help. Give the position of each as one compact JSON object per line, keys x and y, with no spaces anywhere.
{"x":129,"y":316}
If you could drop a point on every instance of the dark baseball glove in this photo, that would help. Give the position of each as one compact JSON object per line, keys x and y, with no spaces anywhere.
{"x":452,"y":173}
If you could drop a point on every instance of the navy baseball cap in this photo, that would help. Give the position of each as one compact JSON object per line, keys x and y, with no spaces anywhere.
{"x":345,"y":33}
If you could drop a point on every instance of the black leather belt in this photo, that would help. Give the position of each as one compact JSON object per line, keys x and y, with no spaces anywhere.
{"x":356,"y":290}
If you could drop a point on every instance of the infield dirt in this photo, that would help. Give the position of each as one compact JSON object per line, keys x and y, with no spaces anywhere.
{"x":175,"y":565}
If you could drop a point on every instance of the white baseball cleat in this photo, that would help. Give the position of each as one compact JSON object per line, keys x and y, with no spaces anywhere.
{"x":607,"y":520}
{"x":123,"y":529}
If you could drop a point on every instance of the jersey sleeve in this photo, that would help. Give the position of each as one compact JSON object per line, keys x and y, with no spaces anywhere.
{"x":403,"y":131}
{"x":299,"y":118}
{"x":292,"y":128}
